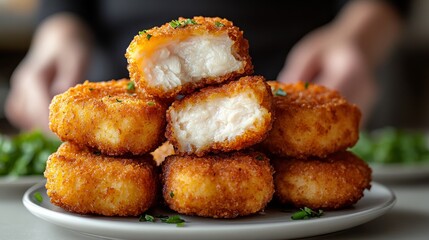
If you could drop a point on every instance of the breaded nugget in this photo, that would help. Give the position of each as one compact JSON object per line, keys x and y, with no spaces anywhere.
{"x":163,"y":151}
{"x":218,"y":186}
{"x":311,"y":120}
{"x":187,"y":54}
{"x":111,"y":116}
{"x":84,"y":182}
{"x":334,"y":182}
{"x":230,"y":117}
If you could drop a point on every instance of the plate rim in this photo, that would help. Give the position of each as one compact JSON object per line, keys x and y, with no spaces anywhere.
{"x":227,"y":231}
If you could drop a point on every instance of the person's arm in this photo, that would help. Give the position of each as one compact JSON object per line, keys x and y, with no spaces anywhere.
{"x":56,"y":60}
{"x":344,"y":54}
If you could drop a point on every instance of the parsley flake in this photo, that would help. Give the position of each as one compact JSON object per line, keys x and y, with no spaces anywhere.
{"x":118,"y":100}
{"x":150,"y":103}
{"x":219,"y":24}
{"x":38,"y":197}
{"x":175,"y":23}
{"x":306,"y":213}
{"x":148,"y":36}
{"x":171,"y":194}
{"x":259,"y":157}
{"x":173,"y":220}
{"x":306,"y":85}
{"x":280,"y":93}
{"x":179,"y":24}
{"x":131,"y":86}
{"x":146,"y":218}
{"x":165,"y":219}
{"x":91,"y":89}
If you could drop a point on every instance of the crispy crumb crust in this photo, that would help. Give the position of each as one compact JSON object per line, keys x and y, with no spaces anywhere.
{"x":165,"y":33}
{"x":84,"y":182}
{"x":218,"y":186}
{"x":335,"y":182}
{"x":86,"y":111}
{"x":312,"y":121}
{"x":261,"y":92}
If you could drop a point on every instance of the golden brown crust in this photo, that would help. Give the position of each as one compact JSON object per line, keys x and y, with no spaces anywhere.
{"x":108,"y":117}
{"x":335,"y":182}
{"x":218,"y":186}
{"x":259,"y":89}
{"x":312,"y":121}
{"x":165,"y":33}
{"x":82,"y":182}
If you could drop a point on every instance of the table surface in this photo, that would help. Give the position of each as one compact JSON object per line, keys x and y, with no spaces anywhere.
{"x":408,"y":219}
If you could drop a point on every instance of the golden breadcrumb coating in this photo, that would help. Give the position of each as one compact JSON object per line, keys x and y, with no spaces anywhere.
{"x":225,"y":118}
{"x":163,"y":151}
{"x":109,"y":117}
{"x":218,"y":186}
{"x":311,"y":121}
{"x":84,"y":182}
{"x":335,"y":182}
{"x":177,"y":59}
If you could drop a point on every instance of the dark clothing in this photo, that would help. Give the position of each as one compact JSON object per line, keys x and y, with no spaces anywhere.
{"x":270,"y":28}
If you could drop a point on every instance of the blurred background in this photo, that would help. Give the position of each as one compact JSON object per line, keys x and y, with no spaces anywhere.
{"x":404,"y":77}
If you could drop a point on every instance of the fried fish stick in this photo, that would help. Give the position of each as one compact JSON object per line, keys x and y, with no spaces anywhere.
{"x":84,"y":182}
{"x":334,"y":182}
{"x":311,"y":120}
{"x":187,"y":54}
{"x":111,"y":116}
{"x":230,"y":117}
{"x":218,"y":186}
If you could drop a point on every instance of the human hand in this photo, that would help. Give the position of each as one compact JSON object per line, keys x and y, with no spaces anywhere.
{"x":344,"y":54}
{"x":56,"y":60}
{"x":327,"y":58}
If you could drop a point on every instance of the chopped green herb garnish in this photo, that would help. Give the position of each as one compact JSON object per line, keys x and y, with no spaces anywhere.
{"x":118,"y":100}
{"x":131,"y":86}
{"x":98,"y":153}
{"x":90,"y":89}
{"x":26,"y":153}
{"x":189,"y":21}
{"x":306,"y":85}
{"x":165,"y":219}
{"x":175,"y":23}
{"x":392,"y":145}
{"x":146,"y":218}
{"x":38,"y":197}
{"x":259,"y":157}
{"x":219,"y":24}
{"x":179,"y":24}
{"x":148,"y":36}
{"x":173,"y":219}
{"x":306,"y":213}
{"x":280,"y":92}
{"x":171,"y":194}
{"x":150,"y":103}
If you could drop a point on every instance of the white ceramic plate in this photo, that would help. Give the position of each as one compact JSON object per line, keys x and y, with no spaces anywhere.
{"x":20,"y":181}
{"x":273,"y":224}
{"x":399,"y":172}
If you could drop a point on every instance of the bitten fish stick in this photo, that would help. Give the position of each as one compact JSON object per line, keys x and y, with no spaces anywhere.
{"x":187,"y":54}
{"x":230,"y":117}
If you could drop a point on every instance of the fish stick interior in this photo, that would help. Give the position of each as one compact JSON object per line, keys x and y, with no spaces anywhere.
{"x":179,"y":59}
{"x":230,"y":117}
